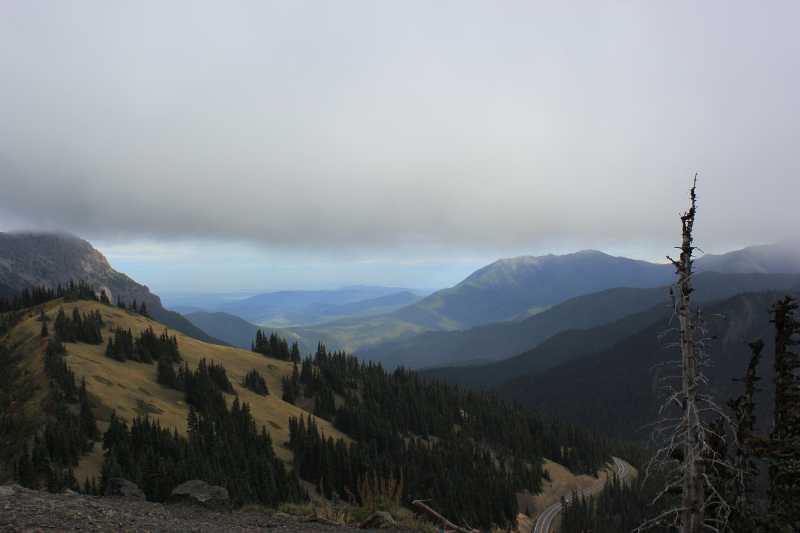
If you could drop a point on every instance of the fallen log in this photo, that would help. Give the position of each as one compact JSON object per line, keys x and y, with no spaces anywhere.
{"x":444,"y":520}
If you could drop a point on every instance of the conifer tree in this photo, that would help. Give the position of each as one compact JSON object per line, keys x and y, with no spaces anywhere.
{"x":745,"y":469}
{"x":783,"y":453}
{"x":88,"y":424}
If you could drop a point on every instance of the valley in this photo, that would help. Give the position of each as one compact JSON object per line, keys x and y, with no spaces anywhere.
{"x":478,"y":374}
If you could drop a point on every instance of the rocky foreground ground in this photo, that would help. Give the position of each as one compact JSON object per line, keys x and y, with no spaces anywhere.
{"x":27,"y":511}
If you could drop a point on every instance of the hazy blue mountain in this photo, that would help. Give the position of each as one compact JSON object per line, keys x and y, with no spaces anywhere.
{"x":360,"y":311}
{"x":510,"y":287}
{"x":506,"y":290}
{"x":390,"y":300}
{"x":506,"y":339}
{"x":185,"y":309}
{"x":783,"y":257}
{"x":499,"y":340}
{"x":50,"y":259}
{"x":239,"y":332}
{"x":260,"y":308}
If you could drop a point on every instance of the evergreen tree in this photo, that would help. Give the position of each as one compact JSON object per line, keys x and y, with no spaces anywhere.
{"x":88,"y":424}
{"x":255,"y":382}
{"x":166,"y":374}
{"x":744,"y":468}
{"x":783,"y":453}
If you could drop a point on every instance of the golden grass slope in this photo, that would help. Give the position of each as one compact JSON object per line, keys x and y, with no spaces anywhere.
{"x":130,"y":388}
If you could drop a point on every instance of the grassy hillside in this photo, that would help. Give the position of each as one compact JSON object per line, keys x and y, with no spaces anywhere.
{"x":130,"y":388}
{"x":401,"y":423}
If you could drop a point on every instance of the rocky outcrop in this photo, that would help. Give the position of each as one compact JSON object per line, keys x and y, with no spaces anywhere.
{"x":50,"y":259}
{"x":197,"y":491}
{"x":123,"y":488}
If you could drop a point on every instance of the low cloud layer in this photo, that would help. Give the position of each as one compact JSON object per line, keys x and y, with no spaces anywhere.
{"x":320,"y":125}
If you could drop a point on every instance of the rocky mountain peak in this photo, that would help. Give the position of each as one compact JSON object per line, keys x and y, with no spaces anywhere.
{"x":53,"y":258}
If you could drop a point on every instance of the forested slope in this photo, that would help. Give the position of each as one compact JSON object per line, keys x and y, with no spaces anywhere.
{"x":618,"y":390}
{"x":580,"y":314}
{"x":163,"y":407}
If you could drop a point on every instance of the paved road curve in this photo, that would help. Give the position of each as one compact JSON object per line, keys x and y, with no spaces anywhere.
{"x":546,"y":518}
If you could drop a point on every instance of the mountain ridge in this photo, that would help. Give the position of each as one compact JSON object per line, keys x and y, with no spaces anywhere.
{"x":48,"y":259}
{"x":629,"y":373}
{"x":563,"y":343}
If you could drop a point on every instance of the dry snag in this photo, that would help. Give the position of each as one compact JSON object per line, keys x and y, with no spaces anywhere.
{"x":682,"y":433}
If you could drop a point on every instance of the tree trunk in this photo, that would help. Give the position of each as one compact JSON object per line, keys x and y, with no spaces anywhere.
{"x":693,"y":496}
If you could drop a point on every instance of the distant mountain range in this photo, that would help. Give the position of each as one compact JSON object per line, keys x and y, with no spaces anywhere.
{"x":505,"y":309}
{"x":600,"y":321}
{"x":490,"y":315}
{"x":506,"y":290}
{"x":312,"y":308}
{"x":50,"y":259}
{"x":574,"y":335}
{"x":782,"y":257}
{"x":239,"y":332}
{"x":330,"y":303}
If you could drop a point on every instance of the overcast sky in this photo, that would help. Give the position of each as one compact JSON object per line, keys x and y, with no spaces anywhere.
{"x":239,"y":145}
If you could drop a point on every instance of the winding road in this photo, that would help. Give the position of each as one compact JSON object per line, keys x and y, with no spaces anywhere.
{"x":545,"y":520}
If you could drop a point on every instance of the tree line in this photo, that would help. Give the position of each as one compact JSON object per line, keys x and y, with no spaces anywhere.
{"x":56,"y":450}
{"x":275,"y":347}
{"x":222,"y":446}
{"x":467,"y":451}
{"x":145,"y":348}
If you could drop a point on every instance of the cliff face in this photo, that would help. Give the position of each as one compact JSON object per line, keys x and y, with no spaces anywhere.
{"x":51,"y":259}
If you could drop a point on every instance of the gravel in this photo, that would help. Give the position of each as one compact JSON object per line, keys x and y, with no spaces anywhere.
{"x":26,"y":511}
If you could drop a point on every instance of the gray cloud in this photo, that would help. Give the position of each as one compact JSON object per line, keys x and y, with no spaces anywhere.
{"x":318,"y":124}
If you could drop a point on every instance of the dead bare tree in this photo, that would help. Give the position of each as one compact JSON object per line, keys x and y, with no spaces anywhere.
{"x":683,"y":436}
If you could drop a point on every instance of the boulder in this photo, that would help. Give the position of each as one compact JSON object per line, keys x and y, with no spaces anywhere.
{"x":196,"y":491}
{"x":122,"y":488}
